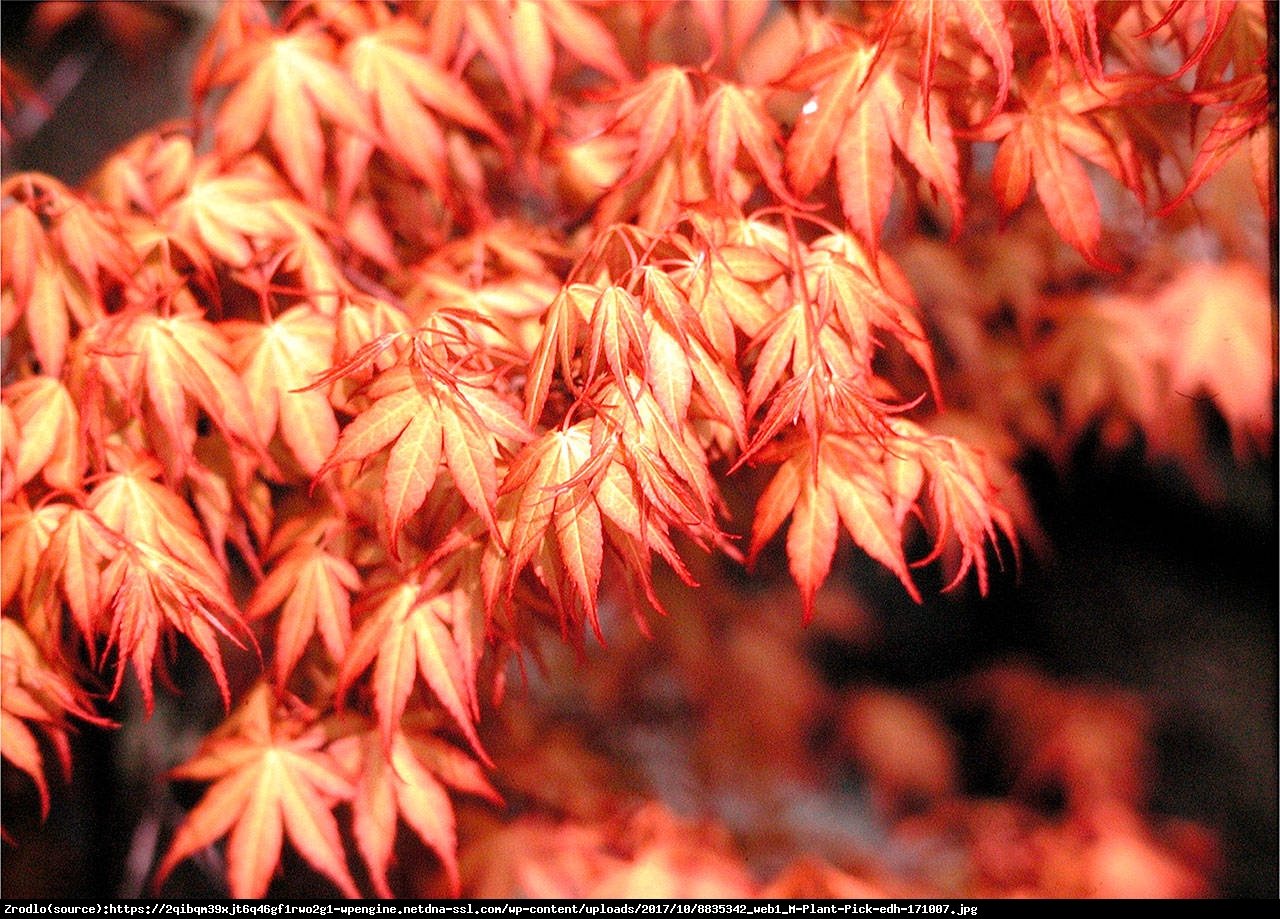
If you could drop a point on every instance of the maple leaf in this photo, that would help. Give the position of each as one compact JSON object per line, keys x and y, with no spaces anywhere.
{"x":312,"y":588}
{"x":34,"y":692}
{"x":406,"y":780}
{"x":660,"y":115}
{"x":270,"y":777}
{"x":278,"y":361}
{"x":966,"y":509}
{"x":518,"y":38}
{"x":861,"y":109}
{"x":734,"y":117}
{"x":229,"y":215}
{"x":425,"y":420}
{"x":411,"y":631}
{"x":48,"y":439}
{"x":281,"y":86}
{"x":984,"y":20}
{"x":27,"y":532}
{"x":554,"y":499}
{"x":1104,"y":360}
{"x":148,"y":173}
{"x":403,"y":86}
{"x":1245,"y":120}
{"x":70,"y":572}
{"x":170,"y":358}
{"x":1218,"y":323}
{"x":57,"y":247}
{"x":843,"y":484}
{"x":1065,"y":121}
{"x":160,"y":576}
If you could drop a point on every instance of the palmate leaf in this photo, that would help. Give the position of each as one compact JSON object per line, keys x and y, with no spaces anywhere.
{"x":171,"y":359}
{"x":1244,"y":121}
{"x":870,"y":483}
{"x":36,"y":694}
{"x":270,"y":777}
{"x":27,"y":532}
{"x":734,"y":117}
{"x":59,"y":249}
{"x":277,"y":362}
{"x":407,"y":92}
{"x":48,"y":433}
{"x":862,"y":107}
{"x":519,"y":39}
{"x":230,"y":216}
{"x":406,"y":780}
{"x":161,"y":577}
{"x":426,"y":420}
{"x":410,"y":631}
{"x":312,"y":588}
{"x":984,"y":20}
{"x":1066,"y":120}
{"x":549,"y":503}
{"x":281,"y":85}
{"x":842,"y":485}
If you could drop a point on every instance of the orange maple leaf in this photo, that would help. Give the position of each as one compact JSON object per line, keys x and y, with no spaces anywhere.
{"x":277,"y":361}
{"x":312,"y":588}
{"x":1066,"y":120}
{"x":169,"y":358}
{"x":57,"y":249}
{"x":462,"y":421}
{"x":842,"y":484}
{"x":35,"y":692}
{"x":391,"y":66}
{"x":861,"y":108}
{"x":406,"y":780}
{"x":160,"y":577}
{"x":518,"y":37}
{"x":281,"y":84}
{"x":48,"y":440}
{"x":410,"y":631}
{"x":270,"y":777}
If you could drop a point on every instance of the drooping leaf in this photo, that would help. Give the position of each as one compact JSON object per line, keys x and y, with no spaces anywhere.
{"x":406,"y":780}
{"x":312,"y":588}
{"x":861,"y":100}
{"x":277,"y":362}
{"x":412,"y":632}
{"x":37,"y":694}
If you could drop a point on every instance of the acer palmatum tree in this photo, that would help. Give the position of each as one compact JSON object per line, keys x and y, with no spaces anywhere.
{"x":445,"y":330}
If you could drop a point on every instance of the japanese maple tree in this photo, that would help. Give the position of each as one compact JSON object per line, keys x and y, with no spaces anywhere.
{"x":445,"y":331}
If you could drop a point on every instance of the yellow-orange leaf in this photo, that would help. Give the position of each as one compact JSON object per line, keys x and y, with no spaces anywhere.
{"x":412,"y":632}
{"x":270,"y":779}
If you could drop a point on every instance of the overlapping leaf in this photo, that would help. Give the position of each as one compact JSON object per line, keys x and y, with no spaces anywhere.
{"x":406,"y":780}
{"x":863,"y":107}
{"x":35,"y":694}
{"x":424,"y":420}
{"x":411,"y":631}
{"x":1065,"y":121}
{"x":407,"y":92}
{"x":312,"y":588}
{"x":270,"y":777}
{"x":173,"y":361}
{"x":58,"y":251}
{"x":277,"y":362}
{"x":281,"y":85}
